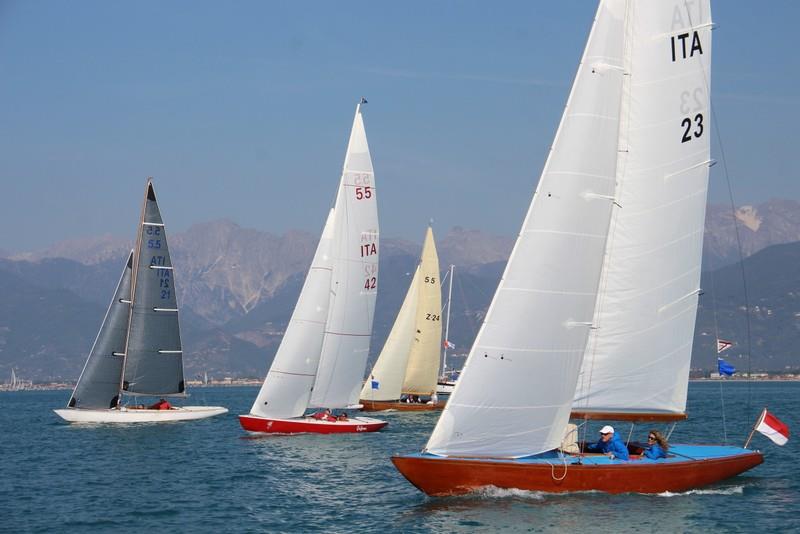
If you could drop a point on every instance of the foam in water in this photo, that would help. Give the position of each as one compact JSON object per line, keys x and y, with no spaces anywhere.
{"x":733,"y":490}
{"x":493,"y":492}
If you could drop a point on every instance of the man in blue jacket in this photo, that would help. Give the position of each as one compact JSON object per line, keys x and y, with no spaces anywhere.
{"x":609,"y":443}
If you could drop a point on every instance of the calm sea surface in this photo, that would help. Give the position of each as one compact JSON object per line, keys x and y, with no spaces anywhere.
{"x":210,"y":476}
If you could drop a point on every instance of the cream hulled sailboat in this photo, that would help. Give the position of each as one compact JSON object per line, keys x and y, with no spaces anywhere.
{"x":408,"y":365}
{"x":138,"y":349}
{"x":321,"y":360}
{"x":595,"y":312}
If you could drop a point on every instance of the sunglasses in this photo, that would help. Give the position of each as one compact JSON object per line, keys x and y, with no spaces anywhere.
{"x":651,"y":438}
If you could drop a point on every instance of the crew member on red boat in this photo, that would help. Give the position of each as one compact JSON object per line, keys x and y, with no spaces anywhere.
{"x":609,"y":443}
{"x":656,"y":446}
{"x":325,"y":415}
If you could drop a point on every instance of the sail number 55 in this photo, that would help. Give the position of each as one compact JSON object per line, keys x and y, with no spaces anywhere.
{"x":688,"y":131}
{"x":363,"y":192}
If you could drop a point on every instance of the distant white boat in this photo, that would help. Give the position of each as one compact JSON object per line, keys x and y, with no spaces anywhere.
{"x":138,"y":348}
{"x":447,"y":381}
{"x":16,"y":384}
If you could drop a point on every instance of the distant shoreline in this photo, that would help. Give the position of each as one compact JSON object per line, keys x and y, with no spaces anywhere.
{"x":252,"y":382}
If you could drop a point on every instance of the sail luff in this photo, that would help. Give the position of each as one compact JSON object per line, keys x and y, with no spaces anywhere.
{"x":537,"y":324}
{"x":638,"y":358}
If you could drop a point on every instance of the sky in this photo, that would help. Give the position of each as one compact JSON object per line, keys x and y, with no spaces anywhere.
{"x":241,"y":110}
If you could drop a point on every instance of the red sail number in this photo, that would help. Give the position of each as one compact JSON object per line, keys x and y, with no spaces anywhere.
{"x":363,"y":192}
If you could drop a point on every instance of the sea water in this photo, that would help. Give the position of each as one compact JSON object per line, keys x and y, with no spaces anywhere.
{"x":211,"y":476}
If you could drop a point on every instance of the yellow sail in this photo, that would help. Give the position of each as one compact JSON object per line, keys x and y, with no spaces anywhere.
{"x":422,"y":369}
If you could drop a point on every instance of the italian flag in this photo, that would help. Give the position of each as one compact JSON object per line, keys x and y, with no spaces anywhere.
{"x":773,"y":428}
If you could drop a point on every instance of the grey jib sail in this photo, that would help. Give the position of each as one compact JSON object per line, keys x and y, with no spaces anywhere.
{"x":98,"y":386}
{"x":154,"y":363}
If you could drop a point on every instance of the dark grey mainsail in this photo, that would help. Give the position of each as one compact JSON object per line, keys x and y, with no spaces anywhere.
{"x":154,"y":362}
{"x":98,"y":385}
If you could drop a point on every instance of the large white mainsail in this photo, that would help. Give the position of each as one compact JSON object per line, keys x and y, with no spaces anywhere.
{"x":409,"y":360}
{"x":354,"y":278}
{"x":531,"y":344}
{"x":287,"y":387}
{"x":637,"y":359}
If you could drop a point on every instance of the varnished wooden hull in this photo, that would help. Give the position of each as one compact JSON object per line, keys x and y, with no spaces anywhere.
{"x":379,"y":406}
{"x":438,"y":476}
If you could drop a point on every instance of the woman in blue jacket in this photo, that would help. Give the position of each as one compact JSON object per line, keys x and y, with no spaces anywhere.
{"x":656,"y":446}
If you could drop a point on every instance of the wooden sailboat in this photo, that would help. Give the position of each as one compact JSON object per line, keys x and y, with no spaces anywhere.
{"x":595,"y":311}
{"x":408,"y":365}
{"x":321,"y":360}
{"x":138,"y":348}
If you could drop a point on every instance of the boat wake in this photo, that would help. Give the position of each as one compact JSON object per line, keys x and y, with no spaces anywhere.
{"x":493,"y":492}
{"x":733,"y":490}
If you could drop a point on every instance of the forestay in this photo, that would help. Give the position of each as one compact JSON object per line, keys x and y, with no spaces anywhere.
{"x":153,"y":361}
{"x":354,"y":279}
{"x":637,"y":359}
{"x":99,"y":383}
{"x":287,"y":387}
{"x":515,"y":393}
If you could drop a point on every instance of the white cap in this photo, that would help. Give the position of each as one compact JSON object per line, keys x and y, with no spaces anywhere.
{"x":608,"y":429}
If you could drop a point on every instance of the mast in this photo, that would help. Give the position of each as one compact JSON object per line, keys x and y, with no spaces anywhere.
{"x":447,"y":322}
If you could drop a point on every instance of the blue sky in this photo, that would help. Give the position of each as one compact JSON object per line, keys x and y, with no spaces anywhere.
{"x":242,"y":110}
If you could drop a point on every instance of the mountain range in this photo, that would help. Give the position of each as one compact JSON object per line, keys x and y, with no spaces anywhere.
{"x":237,"y":289}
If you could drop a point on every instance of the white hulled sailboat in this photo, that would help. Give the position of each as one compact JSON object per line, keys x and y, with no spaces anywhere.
{"x":138,"y":349}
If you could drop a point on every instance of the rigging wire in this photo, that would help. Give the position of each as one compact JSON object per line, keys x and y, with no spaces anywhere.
{"x":716,"y":348}
{"x":745,"y":291}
